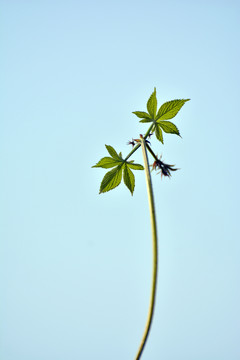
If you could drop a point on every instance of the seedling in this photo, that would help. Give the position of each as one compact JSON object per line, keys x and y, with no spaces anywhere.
{"x":122,"y":167}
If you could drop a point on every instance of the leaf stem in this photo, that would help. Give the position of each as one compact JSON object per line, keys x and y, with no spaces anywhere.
{"x":155,"y":249}
{"x":133,"y":151}
{"x":152,"y":153}
{"x":148,"y":132}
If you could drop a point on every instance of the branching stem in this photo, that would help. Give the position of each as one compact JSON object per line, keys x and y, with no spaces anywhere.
{"x":155,"y":248}
{"x":138,"y":145}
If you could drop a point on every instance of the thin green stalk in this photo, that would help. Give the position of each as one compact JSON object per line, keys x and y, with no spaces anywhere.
{"x":133,"y":151}
{"x":148,"y":132}
{"x":155,"y":249}
{"x":152,"y":153}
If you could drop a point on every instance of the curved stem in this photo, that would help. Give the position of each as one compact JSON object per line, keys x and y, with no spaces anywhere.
{"x":155,"y":250}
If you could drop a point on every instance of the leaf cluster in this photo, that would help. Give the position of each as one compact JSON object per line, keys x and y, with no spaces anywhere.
{"x":159,"y":119}
{"x":121,"y":169}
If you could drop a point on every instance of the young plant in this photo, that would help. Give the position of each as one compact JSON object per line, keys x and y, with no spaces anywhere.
{"x":122,"y":167}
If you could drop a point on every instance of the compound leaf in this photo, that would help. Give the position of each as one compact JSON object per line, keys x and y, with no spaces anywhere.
{"x":170,"y":109}
{"x":129,"y":178}
{"x":111,"y":180}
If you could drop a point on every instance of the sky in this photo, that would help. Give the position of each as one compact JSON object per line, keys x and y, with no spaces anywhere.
{"x":75,"y":266}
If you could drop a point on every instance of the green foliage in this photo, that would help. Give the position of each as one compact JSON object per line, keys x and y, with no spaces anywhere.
{"x":111,"y":180}
{"x":142,"y":114}
{"x":152,"y":104}
{"x":168,"y":127}
{"x":107,"y":162}
{"x":170,"y":109}
{"x":159,"y":134}
{"x":167,"y":111}
{"x":145,"y":120}
{"x":121,"y":168}
{"x":112,"y":152}
{"x":129,"y":178}
{"x":135,"y":166}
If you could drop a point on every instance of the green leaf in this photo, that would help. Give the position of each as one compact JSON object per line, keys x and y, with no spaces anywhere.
{"x":135,"y":166}
{"x":170,"y":109}
{"x":112,"y":152}
{"x":107,"y":163}
{"x":111,"y":180}
{"x":142,"y":114}
{"x":168,"y":127}
{"x":129,"y":178}
{"x":145,"y":120}
{"x":158,"y":132}
{"x":152,"y":104}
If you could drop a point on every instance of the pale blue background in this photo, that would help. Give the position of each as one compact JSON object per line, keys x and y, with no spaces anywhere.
{"x":75,"y":265}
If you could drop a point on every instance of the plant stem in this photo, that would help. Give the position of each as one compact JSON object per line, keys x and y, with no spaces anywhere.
{"x":155,"y":249}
